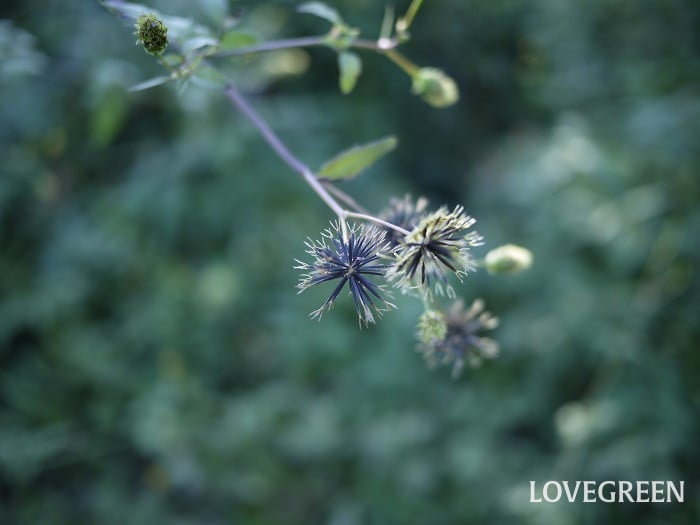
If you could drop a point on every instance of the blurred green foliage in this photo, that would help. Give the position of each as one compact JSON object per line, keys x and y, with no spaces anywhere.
{"x":156,"y":365}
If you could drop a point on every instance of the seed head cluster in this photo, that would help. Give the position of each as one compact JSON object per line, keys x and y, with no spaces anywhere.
{"x":416,"y":251}
{"x":353,"y":261}
{"x":438,"y":244}
{"x":403,"y":213}
{"x":455,"y":336}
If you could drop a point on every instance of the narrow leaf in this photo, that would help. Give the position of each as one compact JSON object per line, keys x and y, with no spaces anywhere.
{"x":215,"y":10}
{"x":350,"y":68}
{"x":198,"y":42}
{"x":172,"y":59}
{"x":209,"y":77}
{"x":127,"y":9}
{"x":322,"y":11}
{"x":351,"y":162}
{"x":236,"y":39}
{"x":184,"y":28}
{"x":153,"y":82}
{"x":182,"y":85}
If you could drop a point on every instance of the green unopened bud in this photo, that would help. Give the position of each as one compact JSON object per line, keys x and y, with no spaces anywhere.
{"x":432,"y":326}
{"x":508,"y":259}
{"x":151,"y":33}
{"x":435,"y":87}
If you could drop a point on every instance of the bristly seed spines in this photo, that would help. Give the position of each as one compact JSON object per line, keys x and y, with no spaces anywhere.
{"x":350,"y":260}
{"x":439,"y":243}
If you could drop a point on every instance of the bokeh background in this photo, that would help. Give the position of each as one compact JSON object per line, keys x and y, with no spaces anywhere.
{"x":157,"y":365}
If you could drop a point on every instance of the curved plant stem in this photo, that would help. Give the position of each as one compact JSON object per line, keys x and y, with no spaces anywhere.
{"x":407,"y":19}
{"x":401,"y":61}
{"x":293,"y":162}
{"x":273,"y":45}
{"x":341,"y":195}
{"x":283,"y":153}
{"x":327,"y":193}
{"x":376,"y":220}
{"x":381,"y":46}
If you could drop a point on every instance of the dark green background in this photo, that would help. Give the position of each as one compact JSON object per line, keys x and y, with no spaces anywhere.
{"x":157,"y":365}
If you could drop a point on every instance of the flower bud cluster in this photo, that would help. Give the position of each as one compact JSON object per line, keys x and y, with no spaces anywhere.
{"x":151,"y":33}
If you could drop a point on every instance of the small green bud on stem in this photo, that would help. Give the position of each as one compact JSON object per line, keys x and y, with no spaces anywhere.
{"x":432,"y":326}
{"x":508,"y":259}
{"x":435,"y":87}
{"x":151,"y":33}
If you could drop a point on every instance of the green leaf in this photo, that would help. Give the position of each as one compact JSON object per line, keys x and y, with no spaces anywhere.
{"x":236,"y":39}
{"x":198,"y":42}
{"x":108,"y":116}
{"x":172,"y":59}
{"x":358,"y":158}
{"x":215,"y":10}
{"x":183,"y":28}
{"x":182,"y":85}
{"x":350,"y":68}
{"x":209,"y":77}
{"x":127,"y":9}
{"x":153,"y":82}
{"x":322,"y":11}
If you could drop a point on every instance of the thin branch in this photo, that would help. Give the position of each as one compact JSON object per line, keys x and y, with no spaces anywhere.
{"x":407,"y":19}
{"x":409,"y":67}
{"x":273,"y":45}
{"x":380,"y":46}
{"x":383,"y":46}
{"x":283,"y":153}
{"x":377,"y":220}
{"x":341,"y":195}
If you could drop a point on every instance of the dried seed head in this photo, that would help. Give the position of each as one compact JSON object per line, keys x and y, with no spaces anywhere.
{"x":355,"y":261}
{"x":403,"y":213}
{"x":438,"y":244}
{"x":462,"y":341}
